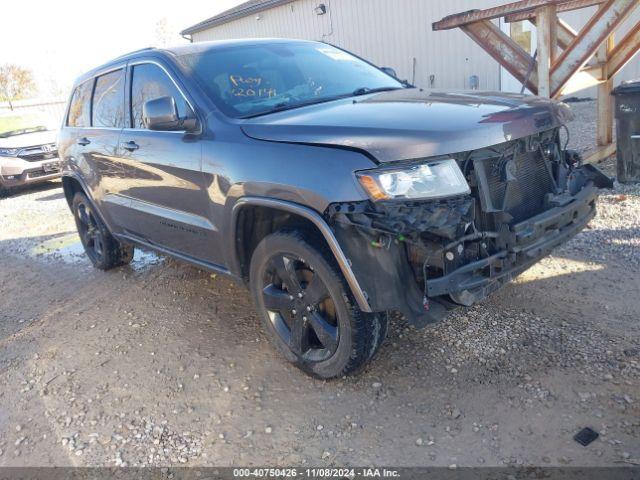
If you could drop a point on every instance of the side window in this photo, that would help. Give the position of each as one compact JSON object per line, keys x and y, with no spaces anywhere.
{"x":80,"y":109}
{"x":149,"y":82}
{"x":108,"y":100}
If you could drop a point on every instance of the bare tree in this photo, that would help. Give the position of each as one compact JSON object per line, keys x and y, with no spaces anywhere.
{"x":16,"y":82}
{"x":162,"y":32}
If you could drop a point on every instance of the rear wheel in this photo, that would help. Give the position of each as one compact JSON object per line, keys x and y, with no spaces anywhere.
{"x":104,"y":251}
{"x":307,"y":309}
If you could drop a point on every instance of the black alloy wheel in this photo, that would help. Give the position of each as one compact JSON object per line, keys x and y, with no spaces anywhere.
{"x":300,"y":308}
{"x":307,"y":309}
{"x":104,"y":251}
{"x":89,"y":231}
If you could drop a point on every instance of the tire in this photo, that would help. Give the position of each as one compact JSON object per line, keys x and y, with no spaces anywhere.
{"x":104,"y":251}
{"x":307,"y":309}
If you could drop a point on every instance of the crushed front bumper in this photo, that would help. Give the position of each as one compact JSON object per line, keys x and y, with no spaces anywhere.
{"x":533,"y":239}
{"x":381,"y":242}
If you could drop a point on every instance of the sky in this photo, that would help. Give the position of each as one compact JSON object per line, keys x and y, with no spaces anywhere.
{"x":60,"y":39}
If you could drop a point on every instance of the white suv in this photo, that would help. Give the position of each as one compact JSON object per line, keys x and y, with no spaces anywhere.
{"x":29,"y":155}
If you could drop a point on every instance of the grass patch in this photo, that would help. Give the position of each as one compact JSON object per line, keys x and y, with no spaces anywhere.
{"x":16,"y":122}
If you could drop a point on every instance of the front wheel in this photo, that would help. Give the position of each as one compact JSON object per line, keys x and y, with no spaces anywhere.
{"x":104,"y":251}
{"x":307,"y":309}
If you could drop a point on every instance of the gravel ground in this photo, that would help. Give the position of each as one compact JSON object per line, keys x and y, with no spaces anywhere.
{"x":582,"y":131}
{"x":162,"y":364}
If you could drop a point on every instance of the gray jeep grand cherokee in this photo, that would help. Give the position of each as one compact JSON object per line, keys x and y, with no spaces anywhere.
{"x":332,"y":189}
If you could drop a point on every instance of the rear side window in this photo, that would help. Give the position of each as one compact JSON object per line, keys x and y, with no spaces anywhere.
{"x":80,"y":109}
{"x":149,"y":82}
{"x":108,"y":100}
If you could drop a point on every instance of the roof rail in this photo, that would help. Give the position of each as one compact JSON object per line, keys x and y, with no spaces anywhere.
{"x":135,"y":51}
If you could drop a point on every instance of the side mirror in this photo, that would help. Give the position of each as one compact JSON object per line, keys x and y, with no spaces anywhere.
{"x":389,"y":71}
{"x":161,"y":114}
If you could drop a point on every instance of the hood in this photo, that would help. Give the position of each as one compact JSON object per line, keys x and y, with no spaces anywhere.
{"x":410,"y":123}
{"x":29,"y":139}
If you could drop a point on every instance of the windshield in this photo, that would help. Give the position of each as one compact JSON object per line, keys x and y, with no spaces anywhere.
{"x":251,"y":80}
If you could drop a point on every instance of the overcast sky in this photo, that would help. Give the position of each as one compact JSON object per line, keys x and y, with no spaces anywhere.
{"x":60,"y":39}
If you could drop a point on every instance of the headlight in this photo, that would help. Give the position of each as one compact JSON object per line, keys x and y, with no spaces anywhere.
{"x":432,"y":179}
{"x":9,"y":152}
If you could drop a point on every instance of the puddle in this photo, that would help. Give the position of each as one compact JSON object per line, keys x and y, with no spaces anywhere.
{"x":144,"y":259}
{"x":68,"y":249}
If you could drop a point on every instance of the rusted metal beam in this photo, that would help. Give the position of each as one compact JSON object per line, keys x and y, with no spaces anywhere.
{"x":594,"y":33}
{"x":465,"y":18}
{"x":591,"y":75}
{"x":601,"y":153}
{"x":553,"y":33}
{"x":604,"y":132}
{"x":547,"y":40}
{"x":562,"y":7}
{"x":566,"y":34}
{"x":624,"y":51}
{"x":505,"y":51}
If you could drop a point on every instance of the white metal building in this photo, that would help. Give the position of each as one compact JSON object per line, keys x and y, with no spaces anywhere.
{"x":392,"y":33}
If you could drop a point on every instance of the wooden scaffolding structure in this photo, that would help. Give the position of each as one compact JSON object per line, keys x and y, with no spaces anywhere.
{"x":566,"y":60}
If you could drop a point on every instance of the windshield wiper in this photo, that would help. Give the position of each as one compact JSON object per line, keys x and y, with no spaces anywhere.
{"x":366,"y":90}
{"x":284,"y":106}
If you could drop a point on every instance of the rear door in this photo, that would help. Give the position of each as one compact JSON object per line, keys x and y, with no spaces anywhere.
{"x":164,"y":183}
{"x":90,"y":138}
{"x":108,"y":117}
{"x":73,"y":141}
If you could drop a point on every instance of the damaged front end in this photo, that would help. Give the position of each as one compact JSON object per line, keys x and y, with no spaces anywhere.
{"x":423,"y":257}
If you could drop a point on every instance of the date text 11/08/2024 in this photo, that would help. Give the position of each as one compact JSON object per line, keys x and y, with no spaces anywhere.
{"x":349,"y":473}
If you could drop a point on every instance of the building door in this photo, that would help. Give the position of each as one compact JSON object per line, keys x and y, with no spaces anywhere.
{"x":524,"y":34}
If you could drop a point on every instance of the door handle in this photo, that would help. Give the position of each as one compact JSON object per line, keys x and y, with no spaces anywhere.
{"x":131,"y":146}
{"x":83,"y":141}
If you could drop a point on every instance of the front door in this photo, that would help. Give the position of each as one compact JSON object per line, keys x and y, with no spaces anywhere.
{"x":167,"y":202}
{"x":524,"y":34}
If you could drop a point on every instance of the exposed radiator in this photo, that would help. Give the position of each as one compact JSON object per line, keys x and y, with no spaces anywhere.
{"x":515,"y":184}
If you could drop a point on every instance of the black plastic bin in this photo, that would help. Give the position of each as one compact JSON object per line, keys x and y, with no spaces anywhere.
{"x":628,"y":130}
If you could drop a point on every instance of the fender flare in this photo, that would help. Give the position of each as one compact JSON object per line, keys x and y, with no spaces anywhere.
{"x":321,"y":225}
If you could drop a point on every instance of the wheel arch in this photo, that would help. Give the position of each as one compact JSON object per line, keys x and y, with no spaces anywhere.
{"x":70,"y":186}
{"x":255,"y":217}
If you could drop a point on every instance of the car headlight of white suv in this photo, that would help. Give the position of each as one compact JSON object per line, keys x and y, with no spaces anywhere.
{"x":9,"y":152}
